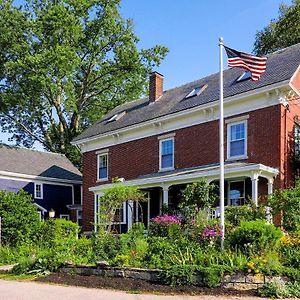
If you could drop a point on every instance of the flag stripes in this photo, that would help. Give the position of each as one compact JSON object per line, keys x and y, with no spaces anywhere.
{"x":254,"y":64}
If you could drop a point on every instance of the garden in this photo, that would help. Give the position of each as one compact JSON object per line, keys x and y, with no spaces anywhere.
{"x":182,"y":244}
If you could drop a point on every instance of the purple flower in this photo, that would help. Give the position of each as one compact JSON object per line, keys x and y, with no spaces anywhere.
{"x":165,"y":219}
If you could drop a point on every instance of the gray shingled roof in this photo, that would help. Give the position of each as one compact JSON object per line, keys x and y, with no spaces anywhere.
{"x":281,"y":65}
{"x":37,"y":163}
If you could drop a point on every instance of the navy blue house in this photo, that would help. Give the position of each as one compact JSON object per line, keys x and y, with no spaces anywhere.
{"x":52,"y":180}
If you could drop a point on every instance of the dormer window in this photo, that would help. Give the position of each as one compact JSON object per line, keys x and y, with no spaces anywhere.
{"x":196,"y":91}
{"x":245,"y":76}
{"x":116,"y":117}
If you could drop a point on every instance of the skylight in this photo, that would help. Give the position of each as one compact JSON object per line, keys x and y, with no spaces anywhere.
{"x":246,"y":75}
{"x":196,"y":91}
{"x":116,"y":117}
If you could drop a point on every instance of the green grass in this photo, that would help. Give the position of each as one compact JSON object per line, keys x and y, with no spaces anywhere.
{"x":10,"y":276}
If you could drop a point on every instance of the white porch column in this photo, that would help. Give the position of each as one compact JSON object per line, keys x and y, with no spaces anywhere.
{"x":254,"y":179}
{"x":129,"y":213}
{"x":270,"y":186}
{"x":165,"y":195}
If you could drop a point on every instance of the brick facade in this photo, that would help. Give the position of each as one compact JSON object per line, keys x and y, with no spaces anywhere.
{"x":269,"y":133}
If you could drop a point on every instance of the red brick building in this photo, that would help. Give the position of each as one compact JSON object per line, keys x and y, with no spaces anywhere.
{"x":170,"y":139}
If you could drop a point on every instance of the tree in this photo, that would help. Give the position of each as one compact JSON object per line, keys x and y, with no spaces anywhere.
{"x":280,"y":33}
{"x":65,"y":63}
{"x":20,"y":221}
{"x":113,"y":199}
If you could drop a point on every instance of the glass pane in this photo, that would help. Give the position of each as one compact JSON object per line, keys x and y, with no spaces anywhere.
{"x":167,"y":161}
{"x":237,"y":132}
{"x":167,"y":147}
{"x":103,"y":173}
{"x":237,"y":148}
{"x":237,"y":193}
{"x":103,"y":161}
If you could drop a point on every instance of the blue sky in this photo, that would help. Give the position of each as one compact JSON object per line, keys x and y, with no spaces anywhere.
{"x":191,"y":29}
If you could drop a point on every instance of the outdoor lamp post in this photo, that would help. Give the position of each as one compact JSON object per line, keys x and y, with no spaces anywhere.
{"x":51,"y":213}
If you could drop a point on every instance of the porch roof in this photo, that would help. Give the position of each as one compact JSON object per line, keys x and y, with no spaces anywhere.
{"x":209,"y":172}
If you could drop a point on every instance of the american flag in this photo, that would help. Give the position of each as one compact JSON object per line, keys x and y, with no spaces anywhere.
{"x":256,"y":65}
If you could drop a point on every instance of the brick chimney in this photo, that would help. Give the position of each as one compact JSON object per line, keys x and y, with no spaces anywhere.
{"x":156,"y":86}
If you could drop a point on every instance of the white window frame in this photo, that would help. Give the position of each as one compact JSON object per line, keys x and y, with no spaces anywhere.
{"x":98,"y":167}
{"x":160,"y":154}
{"x":229,"y":125}
{"x":42,"y":192}
{"x":97,"y":210}
{"x":228,"y":190}
{"x":64,"y":216}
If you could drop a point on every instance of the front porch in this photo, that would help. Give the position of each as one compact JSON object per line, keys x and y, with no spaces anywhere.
{"x":242,"y":181}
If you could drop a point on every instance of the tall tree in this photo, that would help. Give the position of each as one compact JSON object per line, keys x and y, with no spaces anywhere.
{"x":280,"y":33}
{"x":65,"y":63}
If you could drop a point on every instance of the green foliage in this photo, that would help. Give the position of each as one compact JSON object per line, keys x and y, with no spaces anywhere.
{"x":255,"y":236}
{"x":63,"y":65}
{"x":211,"y":276}
{"x":235,"y":214}
{"x":199,"y":195}
{"x":113,"y":199}
{"x":287,"y":202}
{"x":269,"y":289}
{"x":20,"y":220}
{"x":178,"y":275}
{"x":280,"y":33}
{"x":290,"y":250}
{"x":290,"y":289}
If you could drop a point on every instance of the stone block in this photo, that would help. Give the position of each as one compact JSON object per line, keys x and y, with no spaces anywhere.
{"x":245,"y":286}
{"x":258,"y":278}
{"x":239,"y":278}
{"x":228,"y":285}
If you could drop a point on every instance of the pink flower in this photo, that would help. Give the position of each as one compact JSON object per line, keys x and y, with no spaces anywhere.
{"x":165,"y":219}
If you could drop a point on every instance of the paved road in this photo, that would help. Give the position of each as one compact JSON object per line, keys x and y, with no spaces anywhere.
{"x":17,"y":290}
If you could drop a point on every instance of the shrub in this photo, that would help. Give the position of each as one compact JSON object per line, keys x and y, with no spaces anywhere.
{"x":19,"y":218}
{"x":165,"y":226}
{"x":290,"y":250}
{"x":235,"y":214}
{"x":255,"y":236}
{"x":178,"y":275}
{"x":211,"y":276}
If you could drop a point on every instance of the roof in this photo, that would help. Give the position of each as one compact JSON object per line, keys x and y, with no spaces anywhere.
{"x":37,"y":163}
{"x":281,"y":65}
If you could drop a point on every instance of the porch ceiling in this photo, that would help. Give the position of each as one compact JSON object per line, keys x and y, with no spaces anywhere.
{"x":209,"y":172}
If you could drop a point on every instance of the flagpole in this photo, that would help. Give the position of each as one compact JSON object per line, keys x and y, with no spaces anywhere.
{"x":221,"y":144}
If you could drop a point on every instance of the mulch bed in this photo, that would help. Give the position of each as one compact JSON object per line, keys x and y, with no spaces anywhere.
{"x":134,"y":285}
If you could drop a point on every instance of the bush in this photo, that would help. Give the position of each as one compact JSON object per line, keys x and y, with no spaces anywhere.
{"x":290,"y":250}
{"x":255,"y":236}
{"x":19,"y":218}
{"x":178,"y":275}
{"x":235,"y":214}
{"x":165,"y":226}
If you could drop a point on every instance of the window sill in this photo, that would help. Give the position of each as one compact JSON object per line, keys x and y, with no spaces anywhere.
{"x":102,"y":180}
{"x":166,"y":169}
{"x":236,"y":158}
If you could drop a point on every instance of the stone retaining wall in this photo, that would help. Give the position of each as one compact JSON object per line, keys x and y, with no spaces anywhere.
{"x":238,"y":281}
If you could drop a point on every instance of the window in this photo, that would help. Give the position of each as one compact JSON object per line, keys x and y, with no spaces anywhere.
{"x":167,"y":154}
{"x":237,"y":193}
{"x":246,"y":75}
{"x":297,"y":141}
{"x":103,"y":166}
{"x":237,"y":140}
{"x":66,"y":217}
{"x":196,"y":91}
{"x":38,"y":190}
{"x":116,"y":117}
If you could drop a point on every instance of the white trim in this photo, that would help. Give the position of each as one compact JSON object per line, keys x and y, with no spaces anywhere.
{"x":237,"y":157}
{"x":64,"y":216}
{"x":102,"y":151}
{"x":166,"y":136}
{"x":292,"y":78}
{"x":235,"y":105}
{"x":160,"y":154}
{"x":237,"y":119}
{"x":44,"y":210}
{"x":30,"y":178}
{"x":209,"y":173}
{"x":42,"y":190}
{"x":98,"y":165}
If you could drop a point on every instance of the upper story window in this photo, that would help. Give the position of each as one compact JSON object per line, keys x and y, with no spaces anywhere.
{"x":245,"y":76}
{"x":166,"y":149}
{"x":103,"y":166}
{"x":237,"y":140}
{"x":38,"y":191}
